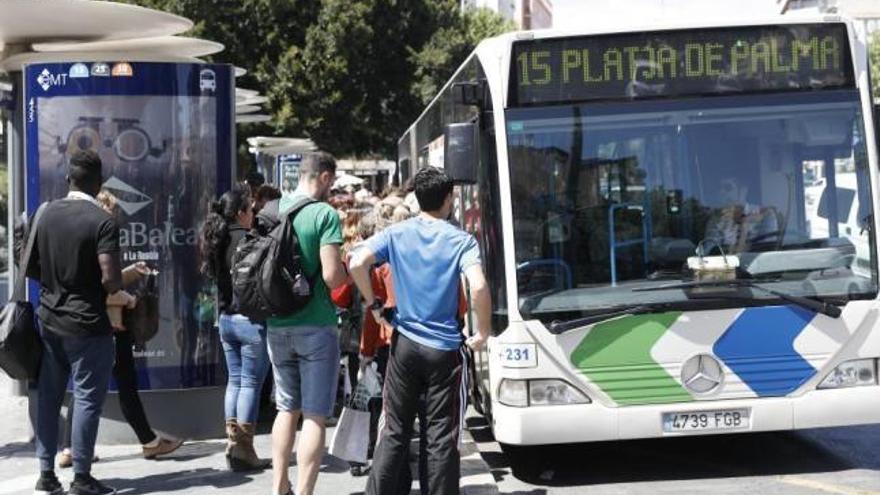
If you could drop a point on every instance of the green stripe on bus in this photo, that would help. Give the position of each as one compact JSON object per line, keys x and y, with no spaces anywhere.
{"x":616,"y":356}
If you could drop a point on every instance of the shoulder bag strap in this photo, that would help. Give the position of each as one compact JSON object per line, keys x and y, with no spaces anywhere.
{"x":286,"y":227}
{"x":297,"y":207}
{"x":286,"y":217}
{"x":18,"y":292}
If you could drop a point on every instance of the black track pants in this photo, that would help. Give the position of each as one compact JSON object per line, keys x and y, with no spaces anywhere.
{"x":413,"y":370}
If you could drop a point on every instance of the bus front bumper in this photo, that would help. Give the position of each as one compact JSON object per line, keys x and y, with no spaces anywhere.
{"x":595,"y":422}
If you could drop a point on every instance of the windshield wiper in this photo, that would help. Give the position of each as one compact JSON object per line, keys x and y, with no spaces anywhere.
{"x":564,"y":326}
{"x":823,"y":307}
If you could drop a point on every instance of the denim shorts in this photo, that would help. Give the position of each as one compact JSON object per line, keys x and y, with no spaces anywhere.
{"x":305,"y":364}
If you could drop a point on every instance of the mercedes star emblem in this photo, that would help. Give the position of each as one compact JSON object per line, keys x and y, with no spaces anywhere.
{"x":702,"y":374}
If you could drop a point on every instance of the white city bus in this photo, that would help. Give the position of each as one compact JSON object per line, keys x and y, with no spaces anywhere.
{"x":677,"y":224}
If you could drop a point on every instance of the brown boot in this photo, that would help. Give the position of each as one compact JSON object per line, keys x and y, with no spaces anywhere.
{"x":231,"y":438}
{"x":243,"y":457}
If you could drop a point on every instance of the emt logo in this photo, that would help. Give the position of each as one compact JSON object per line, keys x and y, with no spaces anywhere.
{"x":47,"y":80}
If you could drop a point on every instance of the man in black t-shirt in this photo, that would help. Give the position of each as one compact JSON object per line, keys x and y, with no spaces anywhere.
{"x":76,"y":260}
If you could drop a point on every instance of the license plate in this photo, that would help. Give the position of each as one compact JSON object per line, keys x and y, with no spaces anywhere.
{"x":519,"y":355}
{"x":720,"y":420}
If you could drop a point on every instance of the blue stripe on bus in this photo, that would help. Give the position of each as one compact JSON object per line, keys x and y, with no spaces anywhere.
{"x":759,"y":348}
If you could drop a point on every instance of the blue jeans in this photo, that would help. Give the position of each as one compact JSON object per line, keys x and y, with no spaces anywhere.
{"x":90,"y":361}
{"x":305,"y":362}
{"x":247,"y":361}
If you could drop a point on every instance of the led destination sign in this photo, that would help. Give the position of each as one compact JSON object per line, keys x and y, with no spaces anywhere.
{"x":681,"y":63}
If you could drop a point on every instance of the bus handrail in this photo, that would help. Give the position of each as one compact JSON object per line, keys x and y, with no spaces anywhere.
{"x":612,"y":237}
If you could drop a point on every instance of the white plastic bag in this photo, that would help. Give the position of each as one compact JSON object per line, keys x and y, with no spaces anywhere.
{"x":352,"y":436}
{"x":369,"y":377}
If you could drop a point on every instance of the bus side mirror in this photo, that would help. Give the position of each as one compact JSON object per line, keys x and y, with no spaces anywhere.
{"x":460,"y":153}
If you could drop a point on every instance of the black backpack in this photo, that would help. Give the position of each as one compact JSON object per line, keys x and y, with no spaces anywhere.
{"x":268,"y":279}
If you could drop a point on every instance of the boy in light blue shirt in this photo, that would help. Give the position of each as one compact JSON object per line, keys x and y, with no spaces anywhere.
{"x":427,"y":258}
{"x":427,"y":255}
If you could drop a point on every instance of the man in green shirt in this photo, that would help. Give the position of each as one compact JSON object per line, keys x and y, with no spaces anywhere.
{"x":304,"y":347}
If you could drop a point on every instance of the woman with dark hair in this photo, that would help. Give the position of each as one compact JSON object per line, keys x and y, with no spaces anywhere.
{"x":244,"y":341}
{"x":265,"y":194}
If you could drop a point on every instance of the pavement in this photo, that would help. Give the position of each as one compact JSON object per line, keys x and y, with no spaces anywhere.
{"x":197,"y":468}
{"x":838,"y":461}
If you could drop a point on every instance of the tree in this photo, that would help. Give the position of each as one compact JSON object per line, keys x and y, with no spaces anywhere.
{"x":874,"y":54}
{"x":369,"y":66}
{"x":350,"y":86}
{"x":349,"y":74}
{"x":440,"y":57}
{"x":255,"y":33}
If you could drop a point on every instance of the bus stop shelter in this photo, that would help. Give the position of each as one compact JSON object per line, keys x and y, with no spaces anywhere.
{"x":77,"y":34}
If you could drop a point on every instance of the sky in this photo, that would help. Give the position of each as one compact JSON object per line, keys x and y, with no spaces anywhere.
{"x":572,"y":13}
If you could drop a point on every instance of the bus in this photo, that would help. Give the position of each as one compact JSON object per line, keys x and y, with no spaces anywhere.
{"x":677,"y":223}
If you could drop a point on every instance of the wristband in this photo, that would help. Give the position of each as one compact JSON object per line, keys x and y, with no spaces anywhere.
{"x":377,"y":304}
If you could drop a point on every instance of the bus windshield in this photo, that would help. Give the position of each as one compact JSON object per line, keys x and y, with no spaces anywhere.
{"x":612,"y":197}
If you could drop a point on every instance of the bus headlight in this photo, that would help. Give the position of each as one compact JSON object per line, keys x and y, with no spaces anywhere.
{"x":554,"y":393}
{"x":854,"y":373}
{"x":525,"y":393}
{"x":514,"y":393}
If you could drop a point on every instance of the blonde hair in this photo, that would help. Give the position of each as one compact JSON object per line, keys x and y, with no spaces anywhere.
{"x":350,"y":230}
{"x":400,"y":214}
{"x":367,"y":225}
{"x":107,"y":200}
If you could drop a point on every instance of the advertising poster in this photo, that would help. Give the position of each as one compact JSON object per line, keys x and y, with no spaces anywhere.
{"x":287,"y":167}
{"x":164,"y":133}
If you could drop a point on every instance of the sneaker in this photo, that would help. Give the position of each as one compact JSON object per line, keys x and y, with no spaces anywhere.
{"x":89,"y":486}
{"x":165,"y":446}
{"x":48,"y":484}
{"x":357,"y":469}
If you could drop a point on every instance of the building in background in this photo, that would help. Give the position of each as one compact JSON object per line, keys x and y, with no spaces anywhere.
{"x":867,"y":11}
{"x":536,"y":14}
{"x":376,"y":174}
{"x":526,"y":14}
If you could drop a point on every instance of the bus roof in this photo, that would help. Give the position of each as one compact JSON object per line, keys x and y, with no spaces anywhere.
{"x":669,"y":24}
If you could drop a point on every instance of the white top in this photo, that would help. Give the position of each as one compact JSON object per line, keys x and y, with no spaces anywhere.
{"x":79,"y":195}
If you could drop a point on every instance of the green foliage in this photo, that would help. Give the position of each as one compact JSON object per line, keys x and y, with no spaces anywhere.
{"x":874,"y":55}
{"x":255,"y":34}
{"x":349,"y":86}
{"x":350,"y":74}
{"x":439,"y":58}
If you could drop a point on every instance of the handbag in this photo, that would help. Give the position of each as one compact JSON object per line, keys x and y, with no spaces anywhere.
{"x":143,"y":320}
{"x":349,"y":332}
{"x":351,"y":320}
{"x":20,"y":345}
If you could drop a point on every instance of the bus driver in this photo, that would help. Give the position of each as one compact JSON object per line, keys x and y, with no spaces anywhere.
{"x":739,"y":224}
